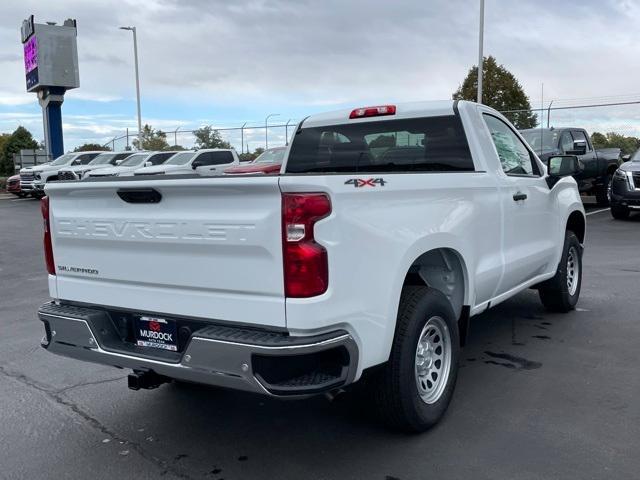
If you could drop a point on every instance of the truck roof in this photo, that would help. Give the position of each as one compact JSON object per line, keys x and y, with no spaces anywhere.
{"x":552,"y":129}
{"x":403,"y":110}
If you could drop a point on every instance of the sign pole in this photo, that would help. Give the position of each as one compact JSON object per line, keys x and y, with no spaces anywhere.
{"x":51,"y":68}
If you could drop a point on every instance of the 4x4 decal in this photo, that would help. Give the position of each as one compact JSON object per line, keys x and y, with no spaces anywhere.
{"x":368,"y":182}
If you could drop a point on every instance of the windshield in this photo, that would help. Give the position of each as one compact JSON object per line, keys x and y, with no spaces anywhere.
{"x":541,"y":138}
{"x":103,"y":159}
{"x":134,"y":160}
{"x":63,"y":159}
{"x":180,"y":158}
{"x":271,"y":156}
{"x":636,"y":156}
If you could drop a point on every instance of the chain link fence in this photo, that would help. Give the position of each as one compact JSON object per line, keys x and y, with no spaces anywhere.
{"x":612,"y":124}
{"x":245,"y":138}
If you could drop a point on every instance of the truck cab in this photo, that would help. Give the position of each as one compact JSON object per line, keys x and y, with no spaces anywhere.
{"x":597,"y":165}
{"x":133,"y":162}
{"x":104,"y":160}
{"x":205,"y":162}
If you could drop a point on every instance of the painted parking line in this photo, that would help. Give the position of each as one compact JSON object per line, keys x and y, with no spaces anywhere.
{"x":598,"y":211}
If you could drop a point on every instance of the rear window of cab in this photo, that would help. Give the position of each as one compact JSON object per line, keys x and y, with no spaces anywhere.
{"x":428,"y":144}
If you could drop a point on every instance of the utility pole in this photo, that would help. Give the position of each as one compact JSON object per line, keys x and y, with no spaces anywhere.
{"x":135,"y":58}
{"x":480,"y":51}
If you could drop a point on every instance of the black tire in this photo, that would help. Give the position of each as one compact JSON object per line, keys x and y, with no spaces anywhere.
{"x":394,"y":387}
{"x":555,"y":293}
{"x":602,"y":193}
{"x":619,"y":213}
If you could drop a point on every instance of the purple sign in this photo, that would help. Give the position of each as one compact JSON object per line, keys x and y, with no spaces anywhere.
{"x":30,"y":54}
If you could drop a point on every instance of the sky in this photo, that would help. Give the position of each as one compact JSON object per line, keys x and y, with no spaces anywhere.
{"x":224,"y":62}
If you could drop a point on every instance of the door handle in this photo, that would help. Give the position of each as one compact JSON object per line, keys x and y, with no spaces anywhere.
{"x":519,"y":196}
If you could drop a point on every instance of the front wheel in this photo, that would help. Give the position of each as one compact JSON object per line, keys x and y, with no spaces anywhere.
{"x":619,"y":213}
{"x":415,"y":386}
{"x":561,"y":293}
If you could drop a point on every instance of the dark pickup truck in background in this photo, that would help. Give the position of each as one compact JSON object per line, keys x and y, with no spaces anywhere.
{"x":598,"y":165}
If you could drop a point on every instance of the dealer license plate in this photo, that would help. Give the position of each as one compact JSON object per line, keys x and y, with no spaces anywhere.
{"x":156,"y":333}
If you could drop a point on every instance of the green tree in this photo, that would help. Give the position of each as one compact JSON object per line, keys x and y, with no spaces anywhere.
{"x":175,"y":147}
{"x":383,"y":141}
{"x":500,"y":90}
{"x":598,"y":140}
{"x":88,"y":147}
{"x":4,"y":137}
{"x":208,"y":137}
{"x":20,"y":139}
{"x":151,"y":139}
{"x":248,"y":157}
{"x":626,"y":144}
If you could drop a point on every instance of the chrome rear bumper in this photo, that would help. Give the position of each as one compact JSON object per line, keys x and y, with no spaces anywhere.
{"x":267,"y":362}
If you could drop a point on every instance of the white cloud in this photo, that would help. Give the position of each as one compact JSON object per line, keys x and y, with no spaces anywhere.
{"x":15,"y":99}
{"x":252,"y":56}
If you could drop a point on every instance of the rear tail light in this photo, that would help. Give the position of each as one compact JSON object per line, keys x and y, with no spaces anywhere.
{"x":48,"y":247}
{"x":306,"y":270}
{"x":379,"y":111}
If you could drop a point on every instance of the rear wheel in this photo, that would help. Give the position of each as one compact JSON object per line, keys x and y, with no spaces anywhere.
{"x":561,"y":293}
{"x":414,"y":388}
{"x":619,"y":213}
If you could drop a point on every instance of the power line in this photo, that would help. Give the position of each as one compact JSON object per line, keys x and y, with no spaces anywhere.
{"x":636,"y":102}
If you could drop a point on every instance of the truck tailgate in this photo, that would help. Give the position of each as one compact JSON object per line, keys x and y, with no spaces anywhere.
{"x":209,"y":248}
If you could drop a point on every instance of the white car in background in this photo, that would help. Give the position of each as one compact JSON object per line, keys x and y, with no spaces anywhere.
{"x":132,"y":163}
{"x":104,"y":160}
{"x":33,"y":179}
{"x":205,"y":162}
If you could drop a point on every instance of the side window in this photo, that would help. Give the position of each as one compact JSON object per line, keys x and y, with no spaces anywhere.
{"x":215,"y":158}
{"x":86,"y":158}
{"x":160,"y":158}
{"x":566,"y":142}
{"x":514,"y":155}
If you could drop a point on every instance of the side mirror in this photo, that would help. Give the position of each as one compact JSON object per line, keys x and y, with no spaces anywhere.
{"x":626,"y":158}
{"x":196,"y":164}
{"x":560,"y":166}
{"x":77,"y":162}
{"x":118,"y":162}
{"x":579,"y":147}
{"x":148,"y":164}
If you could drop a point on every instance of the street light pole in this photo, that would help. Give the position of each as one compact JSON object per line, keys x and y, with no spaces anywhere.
{"x":135,"y":57}
{"x":480,"y":51}
{"x":266,"y":130}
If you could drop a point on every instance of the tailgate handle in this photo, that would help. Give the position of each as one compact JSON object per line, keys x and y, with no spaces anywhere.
{"x":140,"y":195}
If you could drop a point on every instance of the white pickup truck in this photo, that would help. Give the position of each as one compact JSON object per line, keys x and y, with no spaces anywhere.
{"x":208,"y":162}
{"x":33,"y":179}
{"x":388,"y":228}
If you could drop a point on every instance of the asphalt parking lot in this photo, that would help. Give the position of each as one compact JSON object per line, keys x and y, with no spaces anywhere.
{"x":538,"y":396}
